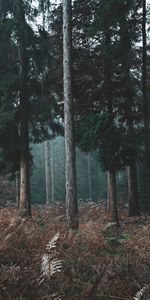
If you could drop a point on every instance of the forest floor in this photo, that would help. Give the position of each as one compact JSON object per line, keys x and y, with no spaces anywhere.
{"x":97,"y":262}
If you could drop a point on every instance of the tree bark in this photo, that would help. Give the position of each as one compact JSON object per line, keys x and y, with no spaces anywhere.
{"x":146,"y":111}
{"x":108,"y":192}
{"x":133,"y":195}
{"x":144,"y":87}
{"x":89,"y":176}
{"x":134,"y":207}
{"x":47,"y":172}
{"x":25,"y":201}
{"x":52,"y":172}
{"x":113,"y":197}
{"x":71,"y":193}
{"x":17,"y":188}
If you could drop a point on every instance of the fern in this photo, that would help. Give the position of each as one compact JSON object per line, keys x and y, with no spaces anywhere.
{"x":52,"y":243}
{"x":51,"y":266}
{"x":140,"y":293}
{"x":56,"y":296}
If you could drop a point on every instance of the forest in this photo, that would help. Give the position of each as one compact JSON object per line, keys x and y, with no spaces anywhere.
{"x":74,"y":149}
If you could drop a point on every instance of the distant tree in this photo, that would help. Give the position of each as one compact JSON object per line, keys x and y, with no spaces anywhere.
{"x":71,"y":194}
{"x":89,"y":175}
{"x":52,"y":172}
{"x":47,"y":172}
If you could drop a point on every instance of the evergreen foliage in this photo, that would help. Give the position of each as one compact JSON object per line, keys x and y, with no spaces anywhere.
{"x":107,"y":77}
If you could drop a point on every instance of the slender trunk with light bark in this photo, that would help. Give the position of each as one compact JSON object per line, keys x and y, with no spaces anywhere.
{"x":47,"y":172}
{"x":108,"y":192}
{"x":89,"y":176}
{"x":113,"y":197}
{"x":25,"y":201}
{"x":71,"y":193}
{"x":146,"y":117}
{"x":17,"y":187}
{"x":144,"y":88}
{"x":52,"y":172}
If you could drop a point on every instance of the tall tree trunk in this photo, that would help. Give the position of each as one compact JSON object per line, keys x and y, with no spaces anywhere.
{"x":47,"y":148}
{"x":133,"y":195}
{"x":145,"y":98}
{"x":47,"y":172}
{"x":108,"y":192}
{"x":113,"y":197}
{"x":146,"y":111}
{"x":17,"y":187}
{"x":25,"y":201}
{"x":133,"y":191}
{"x":134,"y":207}
{"x":89,"y":176}
{"x":71,"y":193}
{"x":52,"y":172}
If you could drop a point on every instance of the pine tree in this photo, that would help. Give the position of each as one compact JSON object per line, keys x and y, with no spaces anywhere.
{"x":71,"y":194}
{"x":26,"y":109}
{"x":25,"y":202}
{"x":145,"y":180}
{"x":125,"y":43}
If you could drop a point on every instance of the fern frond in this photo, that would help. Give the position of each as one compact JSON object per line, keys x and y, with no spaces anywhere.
{"x":140,"y":293}
{"x":52,"y":243}
{"x":51,"y":266}
{"x":56,"y":296}
{"x":45,"y":266}
{"x":111,"y":224}
{"x":56,"y":266}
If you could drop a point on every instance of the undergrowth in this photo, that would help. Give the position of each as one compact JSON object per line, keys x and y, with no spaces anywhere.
{"x":99,"y":262}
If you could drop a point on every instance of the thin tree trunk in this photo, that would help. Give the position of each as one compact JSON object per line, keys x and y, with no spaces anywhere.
{"x":52,"y":172}
{"x":17,"y":188}
{"x":133,"y":195}
{"x":133,"y":191}
{"x":146,"y":111}
{"x":47,"y":172}
{"x":113,"y":197}
{"x":108,"y":192}
{"x":47,"y":148}
{"x":89,"y":176}
{"x":25,"y":201}
{"x":145,"y":98}
{"x":71,"y":193}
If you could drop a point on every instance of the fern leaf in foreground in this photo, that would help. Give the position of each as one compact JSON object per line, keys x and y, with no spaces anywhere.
{"x":51,"y":266}
{"x":52,"y":243}
{"x":140,"y":293}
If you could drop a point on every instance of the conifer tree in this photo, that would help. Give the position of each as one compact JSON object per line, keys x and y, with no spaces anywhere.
{"x":129,"y":104}
{"x":24,"y":202}
{"x":71,"y":194}
{"x":145,"y":180}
